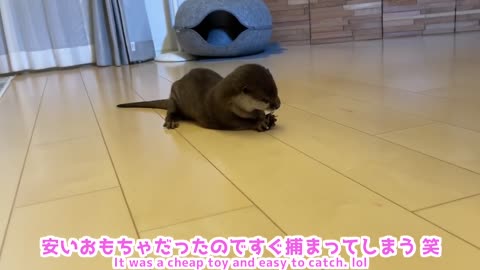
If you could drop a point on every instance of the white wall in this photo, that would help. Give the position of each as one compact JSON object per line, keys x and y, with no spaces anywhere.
{"x":160,"y":23}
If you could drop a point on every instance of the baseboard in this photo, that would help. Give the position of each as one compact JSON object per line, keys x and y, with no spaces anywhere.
{"x":4,"y":83}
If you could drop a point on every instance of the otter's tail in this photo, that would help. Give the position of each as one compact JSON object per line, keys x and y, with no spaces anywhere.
{"x":154,"y":104}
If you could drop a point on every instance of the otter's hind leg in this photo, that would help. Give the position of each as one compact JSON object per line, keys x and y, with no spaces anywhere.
{"x":173,"y":115}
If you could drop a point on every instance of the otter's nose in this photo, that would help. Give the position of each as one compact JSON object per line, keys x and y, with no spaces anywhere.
{"x":276,"y":104}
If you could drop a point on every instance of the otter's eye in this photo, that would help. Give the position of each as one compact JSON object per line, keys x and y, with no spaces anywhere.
{"x":265,"y":100}
{"x":246,"y":90}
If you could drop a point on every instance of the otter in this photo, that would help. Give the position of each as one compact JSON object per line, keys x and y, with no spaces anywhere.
{"x":237,"y":102}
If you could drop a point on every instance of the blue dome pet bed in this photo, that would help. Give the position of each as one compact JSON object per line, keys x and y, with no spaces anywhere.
{"x":223,"y":28}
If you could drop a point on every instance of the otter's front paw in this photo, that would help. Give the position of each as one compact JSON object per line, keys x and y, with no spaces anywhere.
{"x":266,"y":123}
{"x":272,"y":120}
{"x":170,"y":124}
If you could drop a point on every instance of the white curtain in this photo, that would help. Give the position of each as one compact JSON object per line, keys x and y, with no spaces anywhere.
{"x":41,"y":34}
{"x":33,"y":34}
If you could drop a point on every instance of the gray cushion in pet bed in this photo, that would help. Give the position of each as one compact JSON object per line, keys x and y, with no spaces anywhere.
{"x":223,"y":28}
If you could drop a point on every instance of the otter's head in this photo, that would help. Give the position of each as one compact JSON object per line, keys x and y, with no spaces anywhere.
{"x":256,"y":88}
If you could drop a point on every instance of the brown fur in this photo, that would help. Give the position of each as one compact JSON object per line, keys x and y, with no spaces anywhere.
{"x":236,"y":102}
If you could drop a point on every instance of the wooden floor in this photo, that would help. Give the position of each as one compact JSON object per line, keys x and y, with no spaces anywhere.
{"x":373,"y":139}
